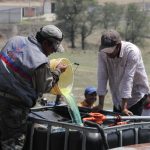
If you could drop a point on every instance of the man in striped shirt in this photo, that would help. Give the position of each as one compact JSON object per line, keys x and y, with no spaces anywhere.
{"x":120,"y":63}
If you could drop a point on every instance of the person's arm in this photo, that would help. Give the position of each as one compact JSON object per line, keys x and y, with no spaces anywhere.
{"x":126,"y":84}
{"x":100,"y":105}
{"x":44,"y":79}
{"x":102,"y":76}
{"x":101,"y":101}
{"x":124,"y":108}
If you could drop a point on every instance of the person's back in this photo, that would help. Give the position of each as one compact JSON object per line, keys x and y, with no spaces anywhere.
{"x":18,"y":63}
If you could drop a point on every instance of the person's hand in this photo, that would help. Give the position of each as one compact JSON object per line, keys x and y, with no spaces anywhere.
{"x":127,"y":112}
{"x":147,"y":102}
{"x":62,"y":67}
{"x":96,"y":108}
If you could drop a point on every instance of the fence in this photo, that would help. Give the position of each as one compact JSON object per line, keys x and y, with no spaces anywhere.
{"x":58,"y":135}
{"x":10,"y":15}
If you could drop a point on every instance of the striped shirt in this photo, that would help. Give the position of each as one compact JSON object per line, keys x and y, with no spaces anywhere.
{"x":126,"y":75}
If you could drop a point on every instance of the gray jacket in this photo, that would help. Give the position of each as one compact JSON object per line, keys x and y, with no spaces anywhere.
{"x":24,"y":70}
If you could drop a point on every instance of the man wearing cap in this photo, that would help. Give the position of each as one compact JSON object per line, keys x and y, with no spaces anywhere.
{"x":90,"y":97}
{"x":24,"y":76}
{"x":120,"y":63}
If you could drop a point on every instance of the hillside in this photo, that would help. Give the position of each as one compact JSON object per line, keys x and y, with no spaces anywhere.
{"x":26,"y":3}
{"x":99,"y":1}
{"x":123,"y":1}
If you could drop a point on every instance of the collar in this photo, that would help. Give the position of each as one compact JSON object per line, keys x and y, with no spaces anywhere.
{"x":33,"y":40}
{"x":122,"y":49}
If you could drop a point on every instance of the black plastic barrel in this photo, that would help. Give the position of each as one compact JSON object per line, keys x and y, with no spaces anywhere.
{"x":94,"y":141}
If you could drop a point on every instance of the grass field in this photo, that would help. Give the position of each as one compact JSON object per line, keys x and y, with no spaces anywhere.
{"x":86,"y":73}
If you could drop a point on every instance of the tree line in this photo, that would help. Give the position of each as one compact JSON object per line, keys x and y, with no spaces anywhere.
{"x":82,"y":17}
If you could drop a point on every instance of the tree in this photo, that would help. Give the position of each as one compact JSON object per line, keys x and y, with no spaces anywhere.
{"x":67,"y":12}
{"x":137,"y":23}
{"x":110,"y":15}
{"x":77,"y":17}
{"x":87,"y":20}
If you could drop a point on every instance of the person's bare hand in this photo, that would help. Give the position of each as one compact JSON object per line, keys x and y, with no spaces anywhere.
{"x":62,"y":67}
{"x":127,"y":112}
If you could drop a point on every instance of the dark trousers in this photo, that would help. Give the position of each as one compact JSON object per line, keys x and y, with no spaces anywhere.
{"x":135,"y":109}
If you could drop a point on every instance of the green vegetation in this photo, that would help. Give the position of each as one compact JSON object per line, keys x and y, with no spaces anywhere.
{"x":79,"y":19}
{"x":86,"y":73}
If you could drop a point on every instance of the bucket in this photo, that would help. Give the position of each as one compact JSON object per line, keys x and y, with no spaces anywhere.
{"x":66,"y":78}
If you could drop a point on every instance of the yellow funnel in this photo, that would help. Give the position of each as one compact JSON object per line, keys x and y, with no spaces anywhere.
{"x":66,"y":78}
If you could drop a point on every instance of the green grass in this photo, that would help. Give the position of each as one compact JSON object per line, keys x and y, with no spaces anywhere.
{"x":86,"y":73}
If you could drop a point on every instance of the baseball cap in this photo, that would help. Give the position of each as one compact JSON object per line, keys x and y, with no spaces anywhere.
{"x":52,"y":33}
{"x":90,"y":90}
{"x":109,"y":40}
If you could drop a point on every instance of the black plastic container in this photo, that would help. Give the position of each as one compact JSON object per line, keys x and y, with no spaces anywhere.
{"x":117,"y":136}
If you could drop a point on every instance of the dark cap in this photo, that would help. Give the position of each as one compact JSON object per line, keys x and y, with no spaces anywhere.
{"x":90,"y":90}
{"x":51,"y":31}
{"x":109,"y":39}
